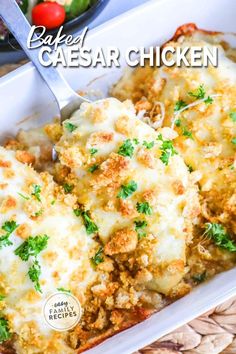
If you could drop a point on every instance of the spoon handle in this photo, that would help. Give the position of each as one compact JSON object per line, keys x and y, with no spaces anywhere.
{"x":20,"y":28}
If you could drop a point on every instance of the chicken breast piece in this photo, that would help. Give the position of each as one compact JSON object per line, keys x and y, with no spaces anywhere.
{"x":200,"y":104}
{"x":34,"y":210}
{"x":134,"y":186}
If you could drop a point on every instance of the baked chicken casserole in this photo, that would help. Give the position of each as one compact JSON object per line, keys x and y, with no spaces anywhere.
{"x":138,"y":209}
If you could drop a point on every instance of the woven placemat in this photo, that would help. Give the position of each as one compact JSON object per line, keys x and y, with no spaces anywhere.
{"x":212,"y":333}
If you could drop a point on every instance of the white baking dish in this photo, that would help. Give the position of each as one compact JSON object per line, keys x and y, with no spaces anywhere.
{"x":23,"y":95}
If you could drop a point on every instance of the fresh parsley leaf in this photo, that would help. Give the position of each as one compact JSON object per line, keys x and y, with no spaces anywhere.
{"x":184,"y":129}
{"x":70,"y":127}
{"x":36,"y":192}
{"x":190,"y":168}
{"x":32,"y":247}
{"x":98,"y":257}
{"x":64,"y":290}
{"x":126,"y":149}
{"x":2,"y":297}
{"x":127,"y":190}
{"x":139,"y":226}
{"x":93,"y":151}
{"x":178,"y":122}
{"x":4,"y":241}
{"x":9,"y":227}
{"x":221,"y":238}
{"x":4,"y":330}
{"x":93,"y":168}
{"x":179,"y":105}
{"x":23,"y":196}
{"x":90,"y":226}
{"x":53,"y":202}
{"x":148,"y":145}
{"x":199,"y":93}
{"x":199,"y":278}
{"x":233,"y":116}
{"x":68,"y":188}
{"x":208,"y":100}
{"x":34,"y":274}
{"x":144,"y":208}
{"x":136,"y":141}
{"x":187,"y":133}
{"x":167,"y":150}
{"x":233,"y":141}
{"x":77,"y":212}
{"x":38,"y":213}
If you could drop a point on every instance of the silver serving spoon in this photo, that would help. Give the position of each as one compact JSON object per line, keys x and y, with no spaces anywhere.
{"x":68,"y":100}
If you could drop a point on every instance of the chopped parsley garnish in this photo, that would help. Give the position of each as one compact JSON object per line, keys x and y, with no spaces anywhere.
{"x":199,"y":278}
{"x":34,"y":274}
{"x":167,"y":150}
{"x":36,"y":192}
{"x":127,"y":190}
{"x":208,"y":100}
{"x":187,"y":133}
{"x":90,"y":226}
{"x":4,"y":330}
{"x":144,"y":208}
{"x":233,"y":116}
{"x":23,"y":196}
{"x":126,"y":149}
{"x":190,"y":168}
{"x":221,"y":238}
{"x":148,"y":145}
{"x":93,"y":151}
{"x":68,"y":188}
{"x":233,"y":141}
{"x":184,"y":129}
{"x":4,"y":241}
{"x":2,"y":297}
{"x":179,"y":105}
{"x":38,"y":213}
{"x":199,"y":93}
{"x":53,"y":202}
{"x":178,"y":122}
{"x":70,"y":127}
{"x":77,"y":212}
{"x":9,"y":227}
{"x":98,"y":257}
{"x":139,"y":226}
{"x":136,"y":141}
{"x":64,"y":290}
{"x":93,"y":168}
{"x":32,"y":247}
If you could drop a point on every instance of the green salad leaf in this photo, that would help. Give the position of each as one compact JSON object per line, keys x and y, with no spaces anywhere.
{"x":76,"y":8}
{"x":24,"y":4}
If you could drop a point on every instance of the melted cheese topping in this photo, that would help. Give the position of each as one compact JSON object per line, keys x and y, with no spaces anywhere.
{"x":65,"y":262}
{"x":212,"y":149}
{"x":105,"y":126}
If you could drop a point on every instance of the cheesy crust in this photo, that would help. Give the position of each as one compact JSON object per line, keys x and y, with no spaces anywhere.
{"x":124,"y":150}
{"x":65,"y":262}
{"x":206,"y":130}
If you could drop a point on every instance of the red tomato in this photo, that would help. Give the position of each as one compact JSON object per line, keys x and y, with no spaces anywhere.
{"x":48,"y":14}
